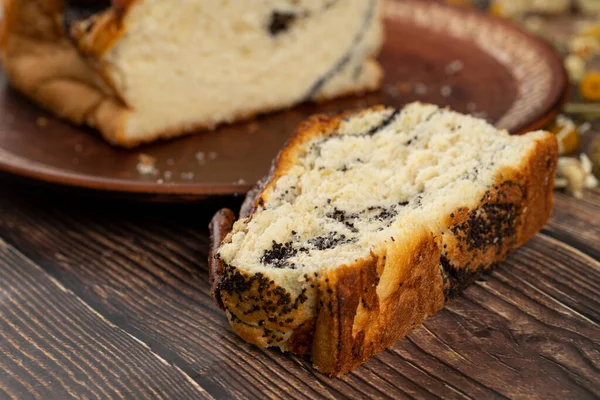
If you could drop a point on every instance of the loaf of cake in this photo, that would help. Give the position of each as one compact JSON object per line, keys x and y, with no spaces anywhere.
{"x":139,"y":70}
{"x":369,"y":222}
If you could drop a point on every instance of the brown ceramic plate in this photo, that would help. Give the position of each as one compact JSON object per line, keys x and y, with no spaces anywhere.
{"x":435,"y":53}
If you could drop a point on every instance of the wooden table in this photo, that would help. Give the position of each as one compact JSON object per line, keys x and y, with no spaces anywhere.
{"x":109,"y":299}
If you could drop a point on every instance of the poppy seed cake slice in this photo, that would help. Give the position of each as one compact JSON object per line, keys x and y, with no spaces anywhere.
{"x":372,"y":221}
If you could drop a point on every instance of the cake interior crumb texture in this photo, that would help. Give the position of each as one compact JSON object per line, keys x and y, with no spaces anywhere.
{"x":380,"y":177}
{"x":210,"y":62}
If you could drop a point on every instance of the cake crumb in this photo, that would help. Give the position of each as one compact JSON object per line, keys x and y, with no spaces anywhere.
{"x":404,"y":87}
{"x":391,"y":90}
{"x":446,"y":91}
{"x":146,"y":165}
{"x":160,"y":181}
{"x":78,"y":148}
{"x":167,"y":175}
{"x":253,"y":127}
{"x":420,"y":89}
{"x":212,"y":155}
{"x":454,"y":67}
{"x":480,"y":114}
{"x":41,"y":121}
{"x":471,"y":107}
{"x":170,"y":162}
{"x":187,"y":175}
{"x":241,"y":181}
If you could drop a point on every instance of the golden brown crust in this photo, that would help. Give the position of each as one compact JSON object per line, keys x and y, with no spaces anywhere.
{"x":32,"y":36}
{"x":424,"y":276}
{"x":359,"y":310}
{"x":220,"y":225}
{"x":98,"y":35}
{"x":263,"y":312}
{"x":358,"y":319}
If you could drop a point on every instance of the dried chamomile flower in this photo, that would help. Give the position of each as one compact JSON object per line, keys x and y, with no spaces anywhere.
{"x":590,"y":7}
{"x":589,"y":87}
{"x":567,"y":135}
{"x":575,"y":175}
{"x":575,"y":66}
{"x":515,"y":8}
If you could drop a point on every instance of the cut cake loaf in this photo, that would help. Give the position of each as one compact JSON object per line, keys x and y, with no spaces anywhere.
{"x":370,"y":222}
{"x":139,"y":70}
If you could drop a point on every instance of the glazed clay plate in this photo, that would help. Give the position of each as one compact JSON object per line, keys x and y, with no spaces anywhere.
{"x":434,"y":53}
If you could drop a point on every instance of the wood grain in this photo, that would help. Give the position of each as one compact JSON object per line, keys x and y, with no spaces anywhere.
{"x":529,"y":330}
{"x":54,"y":346}
{"x":572,"y":222}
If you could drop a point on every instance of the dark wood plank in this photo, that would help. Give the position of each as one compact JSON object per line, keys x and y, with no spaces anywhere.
{"x":577,"y":222}
{"x":146,"y":279}
{"x":530,"y":330}
{"x":54,"y":346}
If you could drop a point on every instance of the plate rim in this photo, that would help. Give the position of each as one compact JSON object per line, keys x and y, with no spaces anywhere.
{"x":26,"y":168}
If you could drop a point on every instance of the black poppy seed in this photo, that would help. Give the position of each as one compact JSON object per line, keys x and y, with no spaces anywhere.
{"x":280,"y":22}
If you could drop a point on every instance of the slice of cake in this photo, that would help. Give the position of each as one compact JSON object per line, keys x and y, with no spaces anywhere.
{"x":370,"y":222}
{"x":141,"y":70}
